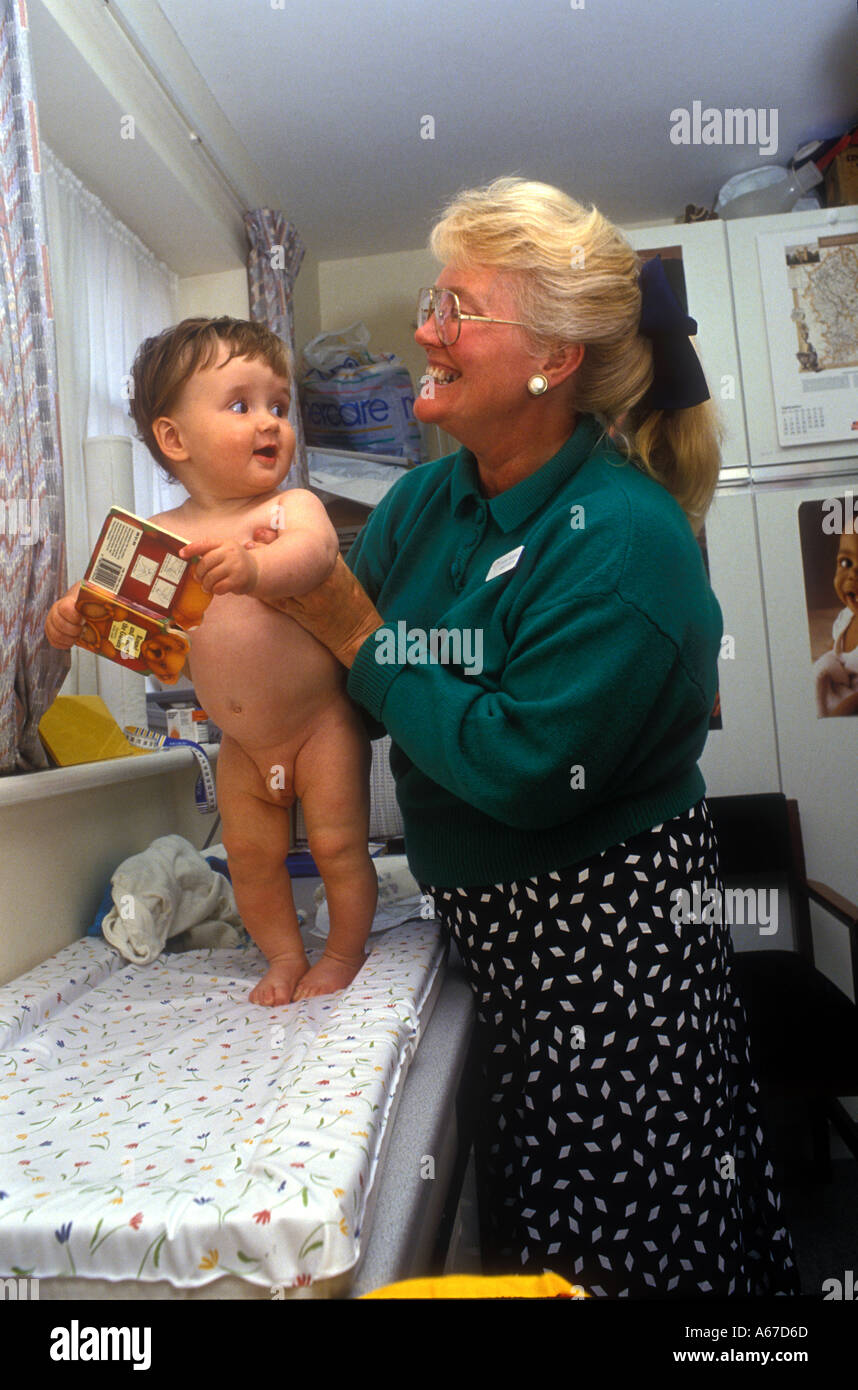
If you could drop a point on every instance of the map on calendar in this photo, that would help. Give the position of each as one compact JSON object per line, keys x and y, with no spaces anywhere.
{"x":810,"y":292}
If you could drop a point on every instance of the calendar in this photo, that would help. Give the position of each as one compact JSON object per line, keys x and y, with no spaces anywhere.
{"x":810,"y":292}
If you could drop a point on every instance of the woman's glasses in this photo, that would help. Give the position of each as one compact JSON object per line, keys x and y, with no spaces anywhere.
{"x":444,"y":306}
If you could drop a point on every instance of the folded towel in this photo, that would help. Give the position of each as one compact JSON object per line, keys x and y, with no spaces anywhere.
{"x":165,"y":892}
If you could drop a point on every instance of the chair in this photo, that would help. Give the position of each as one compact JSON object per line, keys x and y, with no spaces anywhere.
{"x":803,"y":1029}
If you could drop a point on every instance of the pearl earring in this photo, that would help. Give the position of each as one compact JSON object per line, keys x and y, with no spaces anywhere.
{"x":538,"y":384}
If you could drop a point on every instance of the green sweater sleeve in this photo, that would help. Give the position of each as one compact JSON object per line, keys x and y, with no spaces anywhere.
{"x":589,"y":691}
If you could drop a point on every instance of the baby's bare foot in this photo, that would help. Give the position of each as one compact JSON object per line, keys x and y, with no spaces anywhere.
{"x":328,"y":975}
{"x":277,"y":985}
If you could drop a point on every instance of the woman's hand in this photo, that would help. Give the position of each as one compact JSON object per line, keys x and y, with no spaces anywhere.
{"x":338,"y":613}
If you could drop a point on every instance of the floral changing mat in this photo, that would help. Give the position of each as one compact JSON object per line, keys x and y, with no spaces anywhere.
{"x":155,"y":1125}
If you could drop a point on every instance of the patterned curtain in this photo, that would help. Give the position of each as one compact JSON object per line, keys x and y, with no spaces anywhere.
{"x":276,"y":253}
{"x":31,"y":492}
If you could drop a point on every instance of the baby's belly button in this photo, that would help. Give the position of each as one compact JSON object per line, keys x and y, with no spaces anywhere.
{"x":257,"y":712}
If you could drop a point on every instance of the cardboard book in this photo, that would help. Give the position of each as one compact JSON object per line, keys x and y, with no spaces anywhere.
{"x":138,"y":598}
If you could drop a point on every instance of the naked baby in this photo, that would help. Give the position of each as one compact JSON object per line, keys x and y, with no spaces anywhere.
{"x":210,"y":402}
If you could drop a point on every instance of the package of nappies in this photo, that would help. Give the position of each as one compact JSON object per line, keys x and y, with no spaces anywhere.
{"x":355,"y":399}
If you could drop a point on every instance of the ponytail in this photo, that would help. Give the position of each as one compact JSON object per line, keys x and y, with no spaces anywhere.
{"x":681,"y":449}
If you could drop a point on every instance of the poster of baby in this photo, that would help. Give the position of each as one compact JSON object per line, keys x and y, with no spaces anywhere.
{"x":829,"y":547}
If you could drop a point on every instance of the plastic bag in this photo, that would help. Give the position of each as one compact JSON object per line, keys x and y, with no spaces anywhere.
{"x":352,"y":398}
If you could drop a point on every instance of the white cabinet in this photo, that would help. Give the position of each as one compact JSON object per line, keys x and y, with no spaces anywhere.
{"x":818,"y":757}
{"x":771,"y":737}
{"x":741,"y":757}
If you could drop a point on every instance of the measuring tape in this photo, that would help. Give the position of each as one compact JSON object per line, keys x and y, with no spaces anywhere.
{"x":204,"y":789}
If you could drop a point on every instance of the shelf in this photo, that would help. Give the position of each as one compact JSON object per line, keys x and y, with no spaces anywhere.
{"x":34,"y":786}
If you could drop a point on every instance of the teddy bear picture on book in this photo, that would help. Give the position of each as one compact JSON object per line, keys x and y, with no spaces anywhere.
{"x":138,"y":598}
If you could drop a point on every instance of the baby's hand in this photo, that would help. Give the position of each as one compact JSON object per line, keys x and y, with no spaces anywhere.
{"x":847,"y":706}
{"x":226,"y":567}
{"x":263,"y":535}
{"x":64,"y":623}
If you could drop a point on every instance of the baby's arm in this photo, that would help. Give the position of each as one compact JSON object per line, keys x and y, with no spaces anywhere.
{"x":64,"y":623}
{"x":832,"y":680}
{"x":298,"y":561}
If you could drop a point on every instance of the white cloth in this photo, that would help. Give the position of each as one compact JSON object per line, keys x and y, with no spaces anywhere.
{"x":165,"y":891}
{"x":836,"y":671}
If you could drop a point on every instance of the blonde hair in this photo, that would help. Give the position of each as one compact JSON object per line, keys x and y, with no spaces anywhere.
{"x":575,"y":280}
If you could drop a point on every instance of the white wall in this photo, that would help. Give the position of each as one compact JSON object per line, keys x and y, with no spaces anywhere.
{"x":208,"y":296}
{"x":382,"y":292}
{"x":305,"y":303}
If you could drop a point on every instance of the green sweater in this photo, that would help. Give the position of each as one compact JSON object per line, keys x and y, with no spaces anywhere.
{"x":569,"y":702}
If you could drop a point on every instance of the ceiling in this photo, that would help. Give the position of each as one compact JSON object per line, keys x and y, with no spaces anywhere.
{"x":331,"y":99}
{"x":328,"y":98}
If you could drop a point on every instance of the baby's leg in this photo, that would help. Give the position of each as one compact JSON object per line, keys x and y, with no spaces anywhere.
{"x":256,"y":839}
{"x":332,"y":780}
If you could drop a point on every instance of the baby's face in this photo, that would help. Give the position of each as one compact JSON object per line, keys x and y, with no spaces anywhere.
{"x":846,"y":572}
{"x":232,"y":422}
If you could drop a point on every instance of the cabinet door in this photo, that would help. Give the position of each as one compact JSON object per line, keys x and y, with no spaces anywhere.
{"x":741,"y":756}
{"x":818,"y":756}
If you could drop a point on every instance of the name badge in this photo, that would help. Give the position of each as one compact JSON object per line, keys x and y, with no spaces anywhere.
{"x":505,"y":562}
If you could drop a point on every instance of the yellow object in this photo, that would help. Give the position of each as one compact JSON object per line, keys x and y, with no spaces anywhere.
{"x":477,"y":1286}
{"x":81,"y":729}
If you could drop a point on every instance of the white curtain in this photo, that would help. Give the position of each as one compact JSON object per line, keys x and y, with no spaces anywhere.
{"x":109,"y":293}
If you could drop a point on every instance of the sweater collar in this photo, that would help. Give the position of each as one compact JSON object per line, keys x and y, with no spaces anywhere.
{"x":514,"y":506}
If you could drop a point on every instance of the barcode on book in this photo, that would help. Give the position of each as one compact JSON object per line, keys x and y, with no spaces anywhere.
{"x":115,"y":555}
{"x":108,"y":576}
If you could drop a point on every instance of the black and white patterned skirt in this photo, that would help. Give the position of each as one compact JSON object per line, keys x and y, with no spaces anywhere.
{"x":620,"y":1139}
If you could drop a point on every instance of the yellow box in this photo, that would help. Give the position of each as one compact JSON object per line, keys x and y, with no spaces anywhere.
{"x":81,"y":729}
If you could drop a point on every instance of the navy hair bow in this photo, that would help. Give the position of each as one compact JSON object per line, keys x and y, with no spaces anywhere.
{"x":678,"y":381}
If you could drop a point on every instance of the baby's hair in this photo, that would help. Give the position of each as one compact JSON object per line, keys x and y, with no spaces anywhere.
{"x":165,"y":363}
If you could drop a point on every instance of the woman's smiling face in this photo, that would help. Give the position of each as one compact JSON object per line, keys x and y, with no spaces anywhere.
{"x":477,"y":385}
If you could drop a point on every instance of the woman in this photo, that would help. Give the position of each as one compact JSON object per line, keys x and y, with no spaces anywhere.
{"x":552,"y":803}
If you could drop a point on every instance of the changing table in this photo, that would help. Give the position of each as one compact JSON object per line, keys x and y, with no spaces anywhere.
{"x":160,"y":1137}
